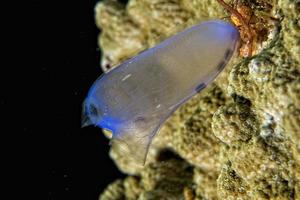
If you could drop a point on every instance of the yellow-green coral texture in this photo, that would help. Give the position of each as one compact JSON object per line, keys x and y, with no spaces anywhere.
{"x":237,"y":139}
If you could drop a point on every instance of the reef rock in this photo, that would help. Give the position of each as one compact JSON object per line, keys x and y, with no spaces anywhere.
{"x":237,"y":139}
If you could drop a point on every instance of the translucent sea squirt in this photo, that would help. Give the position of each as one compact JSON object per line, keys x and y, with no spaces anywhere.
{"x":134,"y":99}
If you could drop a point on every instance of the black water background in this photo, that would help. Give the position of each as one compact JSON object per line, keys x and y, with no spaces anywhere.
{"x":58,"y":60}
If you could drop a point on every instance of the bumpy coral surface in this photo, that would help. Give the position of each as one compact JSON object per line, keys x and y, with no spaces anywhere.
{"x":237,"y":139}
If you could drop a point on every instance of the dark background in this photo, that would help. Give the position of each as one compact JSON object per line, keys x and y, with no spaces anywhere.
{"x":58,"y":60}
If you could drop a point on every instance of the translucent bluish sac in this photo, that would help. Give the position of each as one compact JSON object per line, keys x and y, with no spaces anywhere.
{"x":134,"y":99}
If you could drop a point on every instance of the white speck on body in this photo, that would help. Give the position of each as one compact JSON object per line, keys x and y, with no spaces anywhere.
{"x":126,"y":77}
{"x":171,"y":107}
{"x":158,"y":106}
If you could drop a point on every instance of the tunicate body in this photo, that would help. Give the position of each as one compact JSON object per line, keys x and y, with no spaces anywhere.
{"x":134,"y":99}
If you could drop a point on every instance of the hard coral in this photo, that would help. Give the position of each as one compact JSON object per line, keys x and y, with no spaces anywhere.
{"x":239,"y":138}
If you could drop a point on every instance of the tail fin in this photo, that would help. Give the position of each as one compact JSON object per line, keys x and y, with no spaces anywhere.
{"x":132,"y":146}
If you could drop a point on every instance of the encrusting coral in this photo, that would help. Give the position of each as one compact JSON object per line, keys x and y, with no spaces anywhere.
{"x":237,"y":139}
